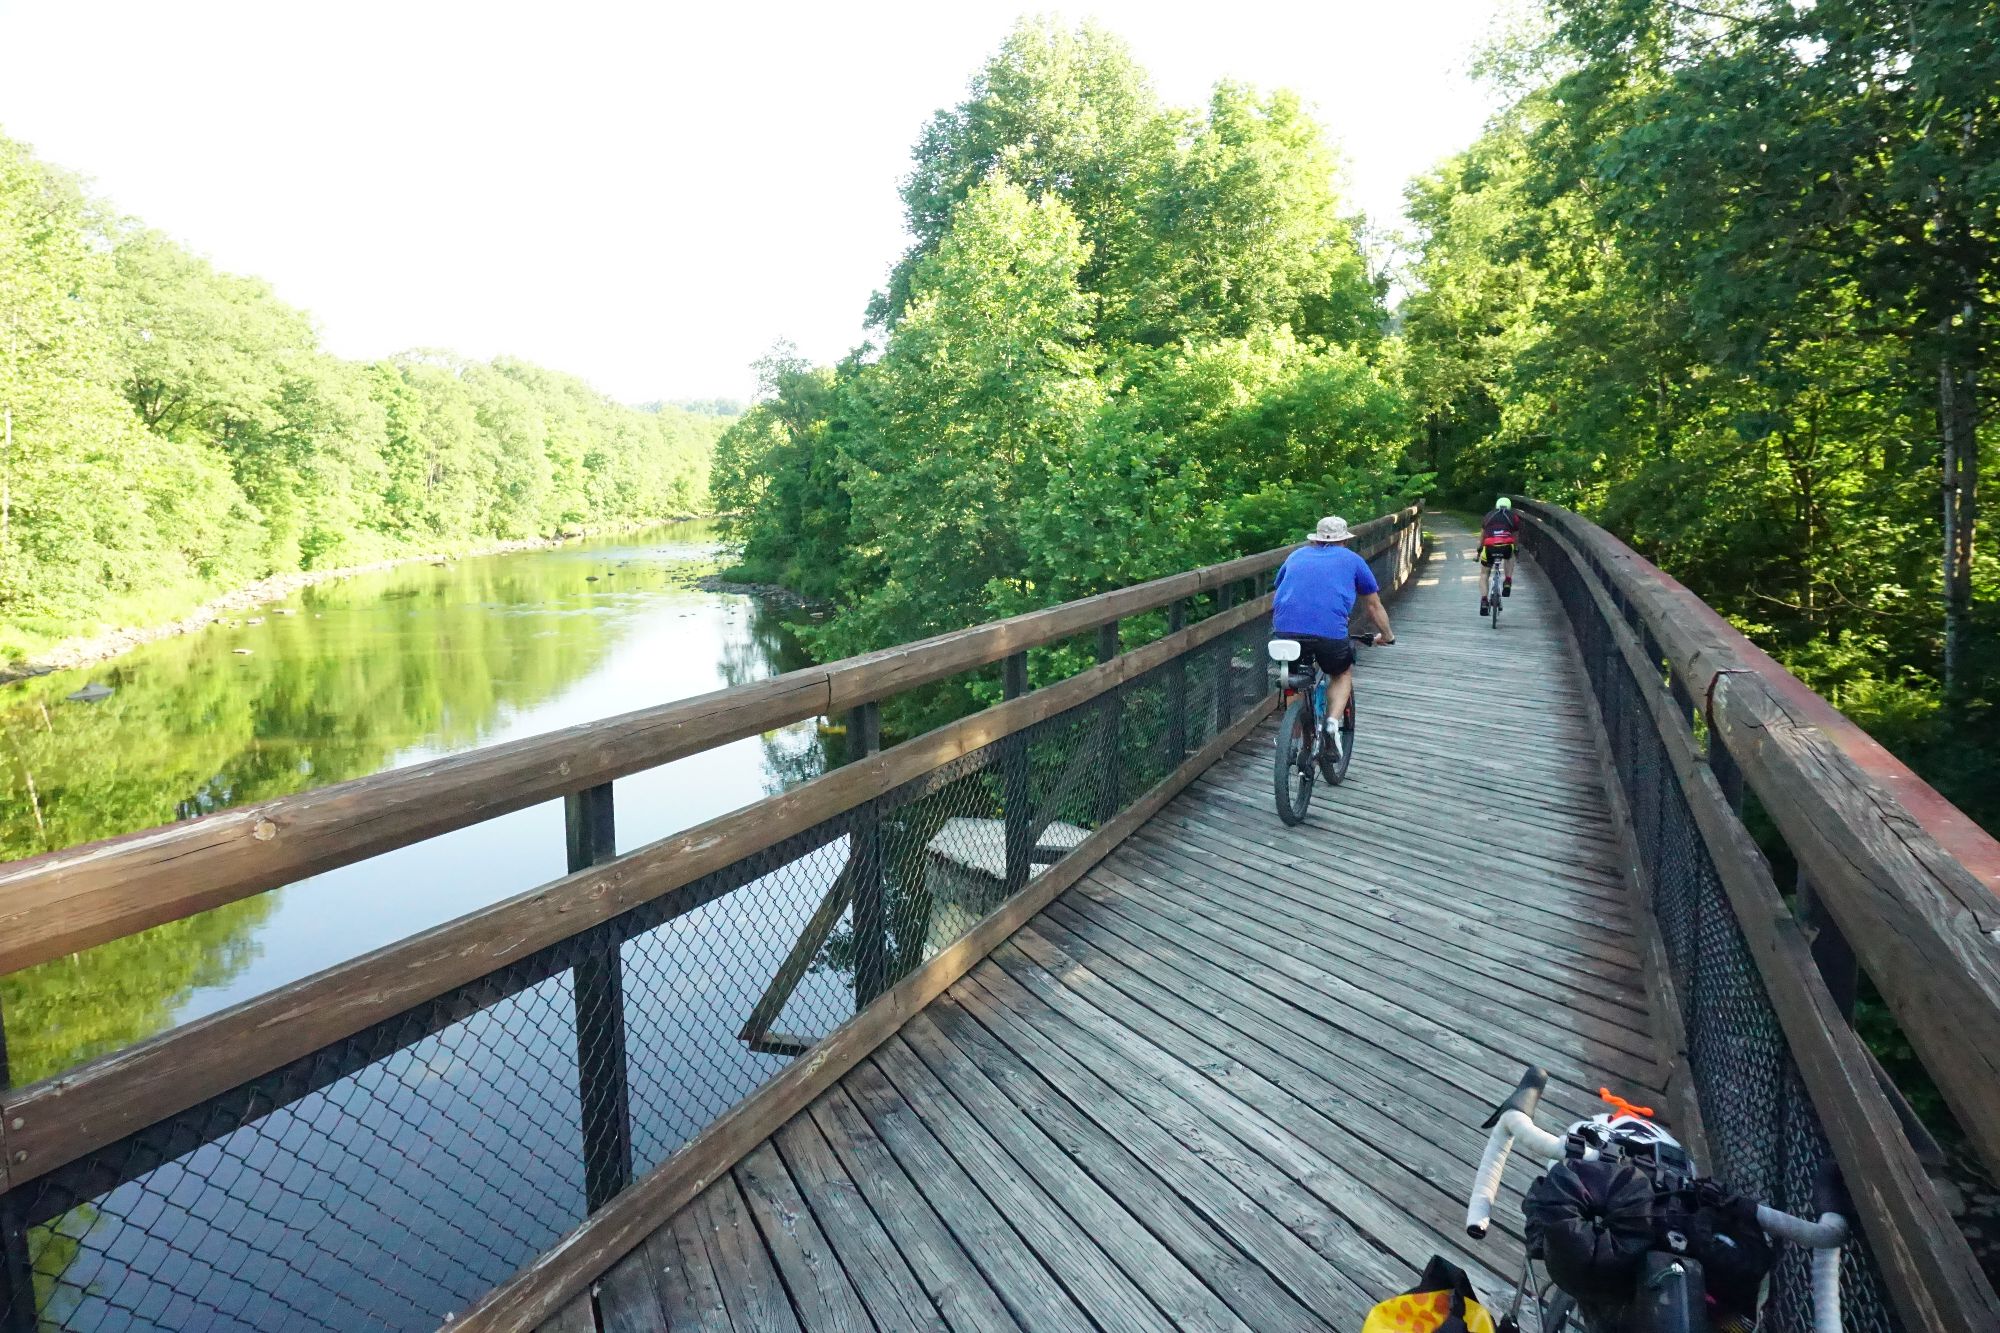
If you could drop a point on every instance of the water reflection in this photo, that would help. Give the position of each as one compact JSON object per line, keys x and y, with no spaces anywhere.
{"x":354,"y":678}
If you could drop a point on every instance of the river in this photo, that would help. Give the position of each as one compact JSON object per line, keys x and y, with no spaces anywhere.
{"x":356,"y":677}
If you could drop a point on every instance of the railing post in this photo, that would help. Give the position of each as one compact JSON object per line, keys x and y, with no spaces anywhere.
{"x":18,"y":1307}
{"x":1110,"y":794}
{"x":18,"y":1312}
{"x":1015,"y":793}
{"x":1225,"y":674}
{"x":600,"y":1015}
{"x":871,"y":922}
{"x":1177,"y":690}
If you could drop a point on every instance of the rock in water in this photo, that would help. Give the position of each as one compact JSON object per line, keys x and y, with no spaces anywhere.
{"x":241,"y":652}
{"x":90,"y":694}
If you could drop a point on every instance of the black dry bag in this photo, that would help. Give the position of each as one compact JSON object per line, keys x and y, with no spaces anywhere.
{"x":1592,"y":1223}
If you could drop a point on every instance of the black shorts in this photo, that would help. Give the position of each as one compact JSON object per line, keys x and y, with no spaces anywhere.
{"x":1488,"y":554}
{"x":1333,"y":656}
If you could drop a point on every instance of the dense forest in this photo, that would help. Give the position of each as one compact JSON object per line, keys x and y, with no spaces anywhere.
{"x":1126,"y":338}
{"x":168,"y":431}
{"x":1723,"y":277}
{"x":1717,"y":277}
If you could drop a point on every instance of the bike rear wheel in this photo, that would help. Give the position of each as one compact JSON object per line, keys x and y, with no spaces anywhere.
{"x":1493,"y":591}
{"x":1292,"y":765}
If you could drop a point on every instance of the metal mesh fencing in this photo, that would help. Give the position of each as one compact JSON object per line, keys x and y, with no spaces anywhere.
{"x":389,"y":1179}
{"x":1764,"y":1136}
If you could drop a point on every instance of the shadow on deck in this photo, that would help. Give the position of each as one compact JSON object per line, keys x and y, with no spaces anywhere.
{"x":1231,"y":1079}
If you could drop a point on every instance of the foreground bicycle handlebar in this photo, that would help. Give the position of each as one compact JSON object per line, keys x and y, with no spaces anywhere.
{"x":1513,"y":1121}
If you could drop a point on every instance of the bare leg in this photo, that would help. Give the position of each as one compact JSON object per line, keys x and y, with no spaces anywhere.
{"x":1338,"y":691}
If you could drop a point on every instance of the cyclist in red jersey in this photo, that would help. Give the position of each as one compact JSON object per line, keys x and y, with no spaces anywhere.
{"x":1496,"y":542}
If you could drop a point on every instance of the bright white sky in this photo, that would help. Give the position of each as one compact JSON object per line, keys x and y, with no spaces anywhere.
{"x":647,"y":195}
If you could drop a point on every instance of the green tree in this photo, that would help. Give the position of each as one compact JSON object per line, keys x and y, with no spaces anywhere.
{"x":989,"y":378}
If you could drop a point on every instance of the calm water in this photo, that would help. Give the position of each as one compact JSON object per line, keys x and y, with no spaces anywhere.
{"x":353,"y":678}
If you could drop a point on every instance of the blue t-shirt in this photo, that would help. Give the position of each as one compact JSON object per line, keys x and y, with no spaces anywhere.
{"x":1317,"y":586}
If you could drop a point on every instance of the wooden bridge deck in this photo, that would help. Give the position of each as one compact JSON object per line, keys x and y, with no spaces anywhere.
{"x":1232,"y":1078}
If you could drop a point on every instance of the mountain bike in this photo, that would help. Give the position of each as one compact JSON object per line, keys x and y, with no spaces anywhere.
{"x":1305,"y":744}
{"x":1684,"y":1255}
{"x":1496,"y":582}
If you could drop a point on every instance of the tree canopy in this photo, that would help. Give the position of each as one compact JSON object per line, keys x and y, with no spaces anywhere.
{"x":1723,"y":277}
{"x":1127,"y":338}
{"x":168,"y":430}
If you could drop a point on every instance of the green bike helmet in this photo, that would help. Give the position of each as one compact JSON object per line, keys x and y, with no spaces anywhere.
{"x":1503,"y":503}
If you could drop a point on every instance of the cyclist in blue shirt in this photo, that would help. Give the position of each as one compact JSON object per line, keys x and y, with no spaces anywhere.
{"x":1318,"y":587}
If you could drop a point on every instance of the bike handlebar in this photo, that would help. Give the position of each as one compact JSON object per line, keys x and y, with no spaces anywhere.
{"x":1513,"y":1121}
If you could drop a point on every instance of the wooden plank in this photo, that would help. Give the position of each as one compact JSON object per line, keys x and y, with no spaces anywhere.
{"x":1540,"y":910}
{"x":866,"y":1254}
{"x":1241,"y":1104}
{"x":751,"y":1286}
{"x":1014,"y":1245}
{"x":1351,"y":1257}
{"x":822,"y":1293}
{"x":690,"y":1285}
{"x":1254,"y":1209}
{"x":1219,"y":826}
{"x":629,"y":1299}
{"x":954,"y":1283}
{"x":1374,"y":1138}
{"x":1382,"y":1021}
{"x":59,"y":1119}
{"x":1120,"y":1274}
{"x":576,"y":1317}
{"x":1571,"y":951}
{"x":540,"y":1288}
{"x":1376,"y":904}
{"x":1449,"y":998}
{"x":1347,"y":1039}
{"x":1058,"y":1138}
{"x":1309,"y":1061}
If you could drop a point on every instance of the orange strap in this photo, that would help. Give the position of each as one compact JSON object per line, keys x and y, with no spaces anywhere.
{"x":1620,"y":1106}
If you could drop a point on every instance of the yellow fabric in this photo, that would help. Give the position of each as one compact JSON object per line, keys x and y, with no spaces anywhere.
{"x":1423,"y":1312}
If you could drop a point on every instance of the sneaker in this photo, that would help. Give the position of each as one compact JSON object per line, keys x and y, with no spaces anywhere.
{"x":1507,"y":588}
{"x":1482,"y":604}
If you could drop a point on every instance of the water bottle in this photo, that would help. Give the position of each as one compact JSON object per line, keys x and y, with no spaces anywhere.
{"x":1319,"y":700}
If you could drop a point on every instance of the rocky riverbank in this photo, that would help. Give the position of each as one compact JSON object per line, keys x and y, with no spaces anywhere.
{"x":775,"y":594}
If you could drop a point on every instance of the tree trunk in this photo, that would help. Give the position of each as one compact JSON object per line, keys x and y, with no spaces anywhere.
{"x":1958,"y":429}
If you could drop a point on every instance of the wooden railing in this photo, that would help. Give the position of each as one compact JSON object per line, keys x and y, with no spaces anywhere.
{"x":1893,"y":883}
{"x":108,"y":1122}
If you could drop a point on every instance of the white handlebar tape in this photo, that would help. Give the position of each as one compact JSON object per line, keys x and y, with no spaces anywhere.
{"x":1486,"y":1184}
{"x":1826,"y":1290}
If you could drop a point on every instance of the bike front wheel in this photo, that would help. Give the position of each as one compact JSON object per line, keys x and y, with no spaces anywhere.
{"x":1334,"y":767}
{"x":1292,"y":765}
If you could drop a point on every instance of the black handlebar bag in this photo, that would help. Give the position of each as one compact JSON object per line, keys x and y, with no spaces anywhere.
{"x":1591,"y":1224}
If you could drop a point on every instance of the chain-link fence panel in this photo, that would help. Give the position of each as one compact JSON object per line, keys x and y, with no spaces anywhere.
{"x":1764,"y":1136}
{"x":389,"y":1179}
